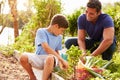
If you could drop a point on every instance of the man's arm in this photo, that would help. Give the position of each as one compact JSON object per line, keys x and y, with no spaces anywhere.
{"x":108,"y":36}
{"x":81,"y":41}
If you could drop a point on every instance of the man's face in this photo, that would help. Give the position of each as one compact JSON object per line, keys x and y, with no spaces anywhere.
{"x":92,"y":14}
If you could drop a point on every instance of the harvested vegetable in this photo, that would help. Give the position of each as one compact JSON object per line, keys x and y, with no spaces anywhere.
{"x":86,"y":70}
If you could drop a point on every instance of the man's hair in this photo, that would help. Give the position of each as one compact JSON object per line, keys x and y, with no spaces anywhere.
{"x":94,"y":4}
{"x":60,"y":20}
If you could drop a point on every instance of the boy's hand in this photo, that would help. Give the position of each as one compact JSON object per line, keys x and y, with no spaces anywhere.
{"x":63,"y":64}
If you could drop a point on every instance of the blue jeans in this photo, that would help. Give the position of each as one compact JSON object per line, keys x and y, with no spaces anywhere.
{"x":91,"y":45}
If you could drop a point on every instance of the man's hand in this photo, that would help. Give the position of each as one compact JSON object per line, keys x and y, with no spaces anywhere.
{"x":82,"y":58}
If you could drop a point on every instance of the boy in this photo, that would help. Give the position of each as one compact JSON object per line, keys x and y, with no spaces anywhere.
{"x":48,"y":42}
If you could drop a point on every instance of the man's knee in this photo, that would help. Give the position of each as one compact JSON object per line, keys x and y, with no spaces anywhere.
{"x":108,"y":54}
{"x":70,"y":42}
{"x":67,"y":44}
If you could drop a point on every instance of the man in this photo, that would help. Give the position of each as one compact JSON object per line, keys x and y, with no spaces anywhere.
{"x":100,"y":31}
{"x":48,"y":41}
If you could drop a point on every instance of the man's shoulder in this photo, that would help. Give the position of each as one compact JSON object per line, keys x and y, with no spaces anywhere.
{"x":106,"y":20}
{"x":105,"y":16}
{"x":82,"y":16}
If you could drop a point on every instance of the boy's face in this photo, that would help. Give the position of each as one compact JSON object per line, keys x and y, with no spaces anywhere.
{"x":58,"y":30}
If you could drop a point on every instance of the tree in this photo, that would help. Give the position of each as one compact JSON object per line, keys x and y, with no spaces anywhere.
{"x":3,"y":26}
{"x":13,"y":4}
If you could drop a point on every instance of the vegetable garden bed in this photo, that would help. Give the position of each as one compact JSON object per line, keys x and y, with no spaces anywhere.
{"x":94,"y":68}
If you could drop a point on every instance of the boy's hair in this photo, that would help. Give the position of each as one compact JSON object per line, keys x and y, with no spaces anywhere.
{"x":60,"y":20}
{"x":94,"y":4}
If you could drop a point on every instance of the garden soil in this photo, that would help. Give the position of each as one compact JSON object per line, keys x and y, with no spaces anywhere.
{"x":10,"y":69}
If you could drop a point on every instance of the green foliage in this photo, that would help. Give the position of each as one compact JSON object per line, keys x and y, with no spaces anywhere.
{"x":6,"y":20}
{"x":112,"y":72}
{"x":113,"y":11}
{"x":25,"y":42}
{"x":6,"y":50}
{"x":23,"y":18}
{"x":45,"y":10}
{"x":73,"y":57}
{"x":115,"y":67}
{"x":73,"y":21}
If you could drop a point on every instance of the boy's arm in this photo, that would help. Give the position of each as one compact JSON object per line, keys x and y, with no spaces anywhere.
{"x":57,"y":52}
{"x":49,"y":50}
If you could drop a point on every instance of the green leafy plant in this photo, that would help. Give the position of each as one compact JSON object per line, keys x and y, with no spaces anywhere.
{"x":72,"y":18}
{"x":73,"y":57}
{"x":95,"y":66}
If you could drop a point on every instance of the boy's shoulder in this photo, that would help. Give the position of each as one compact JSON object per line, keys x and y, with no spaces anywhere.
{"x":41,"y":29}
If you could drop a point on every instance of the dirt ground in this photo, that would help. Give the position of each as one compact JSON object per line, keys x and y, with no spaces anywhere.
{"x":10,"y":69}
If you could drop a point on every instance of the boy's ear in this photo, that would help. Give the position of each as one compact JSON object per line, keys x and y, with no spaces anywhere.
{"x":56,"y":25}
